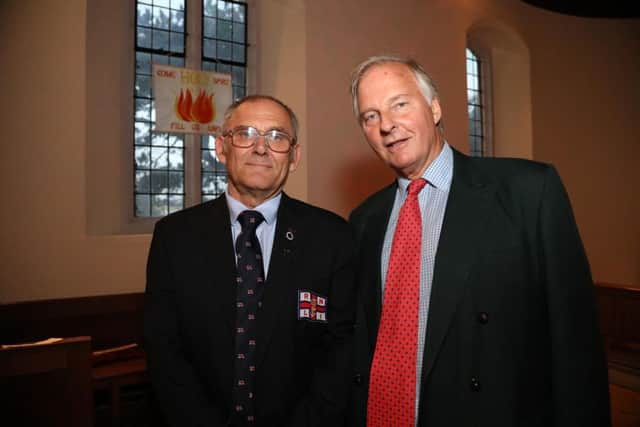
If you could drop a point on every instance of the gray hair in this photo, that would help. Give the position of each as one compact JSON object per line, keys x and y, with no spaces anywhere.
{"x":425,"y":82}
{"x":250,"y":98}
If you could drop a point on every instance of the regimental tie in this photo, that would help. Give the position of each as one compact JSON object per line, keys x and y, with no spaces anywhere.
{"x":249,"y":289}
{"x":392,"y":384}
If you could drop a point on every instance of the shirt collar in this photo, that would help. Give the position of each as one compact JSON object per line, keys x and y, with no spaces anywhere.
{"x":268,"y":209}
{"x":438,"y":174}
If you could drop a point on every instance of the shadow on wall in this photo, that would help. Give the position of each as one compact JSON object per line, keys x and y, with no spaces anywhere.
{"x":358,"y":179}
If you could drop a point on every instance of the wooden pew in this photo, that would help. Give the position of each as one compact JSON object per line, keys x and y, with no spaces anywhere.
{"x":114,"y":322}
{"x":47,"y":384}
{"x":619,"y":311}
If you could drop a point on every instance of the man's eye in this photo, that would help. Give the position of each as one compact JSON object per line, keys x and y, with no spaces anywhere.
{"x":277,"y":136}
{"x":369,"y":117}
{"x":400,"y":104}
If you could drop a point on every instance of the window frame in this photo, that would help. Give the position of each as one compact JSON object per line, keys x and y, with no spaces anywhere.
{"x":485,"y":89}
{"x":193,"y":144}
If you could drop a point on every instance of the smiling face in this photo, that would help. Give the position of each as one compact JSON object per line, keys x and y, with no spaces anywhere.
{"x":397,"y":121}
{"x":255,"y":174}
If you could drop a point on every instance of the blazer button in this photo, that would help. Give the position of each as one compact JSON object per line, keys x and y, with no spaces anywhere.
{"x":483,"y":317}
{"x":474,"y":384}
{"x":357,"y":379}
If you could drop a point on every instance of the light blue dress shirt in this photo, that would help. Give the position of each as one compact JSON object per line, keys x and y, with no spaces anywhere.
{"x":265,"y":231}
{"x":433,"y":201}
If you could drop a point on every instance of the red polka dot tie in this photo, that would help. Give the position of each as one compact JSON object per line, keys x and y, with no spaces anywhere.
{"x":392,"y":383}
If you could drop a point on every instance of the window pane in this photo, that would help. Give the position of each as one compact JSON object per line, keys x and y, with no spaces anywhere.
{"x":176,"y":140}
{"x":224,"y":50}
{"x":143,"y":205}
{"x":160,"y":40}
{"x":176,"y":203}
{"x":177,"y":42}
{"x":144,"y":15}
{"x":159,"y":182}
{"x":177,"y":21}
{"x":176,"y":180}
{"x":175,"y":158}
{"x":209,"y":48}
{"x":238,"y":76}
{"x":143,"y":86}
{"x":159,"y":158}
{"x":176,"y":61}
{"x":474,"y":105}
{"x":238,"y":13}
{"x":142,"y":133}
{"x":159,"y":205}
{"x":224,"y":30}
{"x":143,"y":63}
{"x":238,"y":52}
{"x":142,"y":182}
{"x":238,"y":33}
{"x":209,"y":7}
{"x":143,"y":110}
{"x":225,"y":10}
{"x":160,"y":28}
{"x":143,"y":157}
{"x":209,"y":27}
{"x":161,"y":17}
{"x":208,"y":183}
{"x":144,"y":37}
{"x":159,"y":139}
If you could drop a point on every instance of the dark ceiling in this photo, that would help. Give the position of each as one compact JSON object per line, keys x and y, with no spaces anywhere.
{"x":591,"y":8}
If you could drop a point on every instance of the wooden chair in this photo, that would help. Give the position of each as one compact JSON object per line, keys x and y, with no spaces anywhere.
{"x":47,"y":383}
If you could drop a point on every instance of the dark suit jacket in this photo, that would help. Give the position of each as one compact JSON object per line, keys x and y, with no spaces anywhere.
{"x":512,"y":336}
{"x":303,"y":368}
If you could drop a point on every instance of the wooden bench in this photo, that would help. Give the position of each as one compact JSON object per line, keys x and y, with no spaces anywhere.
{"x":619,"y":310}
{"x":47,"y":383}
{"x":114,"y":323}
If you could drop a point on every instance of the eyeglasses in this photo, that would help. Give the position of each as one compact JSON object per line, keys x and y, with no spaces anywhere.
{"x":247,"y":136}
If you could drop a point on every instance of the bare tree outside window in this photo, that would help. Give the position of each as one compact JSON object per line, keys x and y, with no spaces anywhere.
{"x":161,"y":171}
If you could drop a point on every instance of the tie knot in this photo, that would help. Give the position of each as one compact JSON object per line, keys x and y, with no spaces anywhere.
{"x":416,"y":186}
{"x":250,"y":219}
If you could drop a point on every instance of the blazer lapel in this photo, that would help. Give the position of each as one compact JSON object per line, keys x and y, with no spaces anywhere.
{"x":460,"y":240}
{"x":283,"y":255}
{"x":371,"y":253}
{"x":218,"y":259}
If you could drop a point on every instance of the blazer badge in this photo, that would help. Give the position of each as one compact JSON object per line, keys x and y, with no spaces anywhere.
{"x":312,"y":306}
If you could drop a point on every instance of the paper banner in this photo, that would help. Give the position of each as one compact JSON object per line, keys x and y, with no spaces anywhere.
{"x":190,"y":101}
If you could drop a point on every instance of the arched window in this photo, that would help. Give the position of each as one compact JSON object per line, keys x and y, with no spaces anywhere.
{"x":498,"y":91}
{"x":476,"y":108}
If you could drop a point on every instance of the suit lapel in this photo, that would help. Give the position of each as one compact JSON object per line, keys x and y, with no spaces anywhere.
{"x":460,"y":240}
{"x":277,"y":285}
{"x":371,"y":249}
{"x":218,"y":259}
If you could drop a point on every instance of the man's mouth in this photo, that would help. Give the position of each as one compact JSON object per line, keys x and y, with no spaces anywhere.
{"x":260,"y":165}
{"x":395,"y":144}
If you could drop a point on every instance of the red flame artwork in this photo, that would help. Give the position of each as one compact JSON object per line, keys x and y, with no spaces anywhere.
{"x":201,"y":110}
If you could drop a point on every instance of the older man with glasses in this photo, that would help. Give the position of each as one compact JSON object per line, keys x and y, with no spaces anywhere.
{"x":249,"y":305}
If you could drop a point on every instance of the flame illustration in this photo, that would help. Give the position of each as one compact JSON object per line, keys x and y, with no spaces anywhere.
{"x":201,"y":110}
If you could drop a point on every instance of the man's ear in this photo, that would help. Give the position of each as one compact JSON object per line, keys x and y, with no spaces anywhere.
{"x":435,"y":109}
{"x":295,"y":158}
{"x":222,"y":156}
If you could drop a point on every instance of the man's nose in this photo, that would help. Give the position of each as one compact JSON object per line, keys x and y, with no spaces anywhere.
{"x":260,"y":146}
{"x":386,"y":124}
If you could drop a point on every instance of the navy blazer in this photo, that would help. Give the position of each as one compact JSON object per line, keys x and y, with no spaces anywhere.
{"x":303,"y":368}
{"x":512,"y":335}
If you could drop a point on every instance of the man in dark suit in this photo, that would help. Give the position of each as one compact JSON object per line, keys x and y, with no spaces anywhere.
{"x":506,"y":328}
{"x":260,"y":335}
